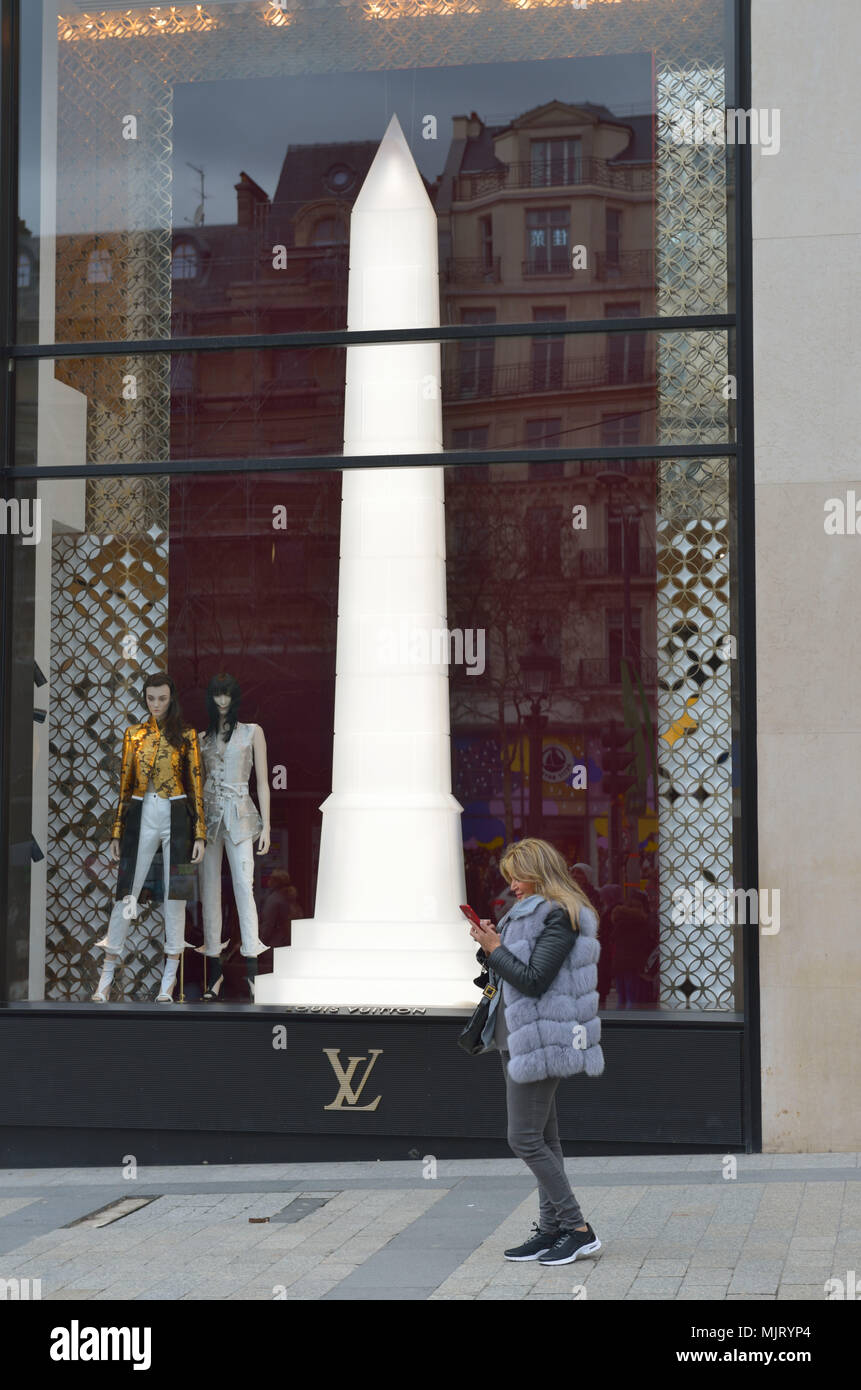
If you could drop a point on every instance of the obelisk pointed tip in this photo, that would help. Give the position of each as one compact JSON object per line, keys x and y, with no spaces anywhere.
{"x":393,"y":180}
{"x":394,"y":130}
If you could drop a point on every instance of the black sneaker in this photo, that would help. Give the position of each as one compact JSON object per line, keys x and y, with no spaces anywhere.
{"x":570,"y":1244}
{"x":535,"y":1246}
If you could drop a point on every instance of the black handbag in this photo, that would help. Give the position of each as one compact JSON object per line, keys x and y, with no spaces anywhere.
{"x":470,"y":1038}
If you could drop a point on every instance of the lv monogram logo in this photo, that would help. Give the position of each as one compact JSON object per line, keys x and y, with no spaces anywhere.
{"x":346,"y":1093}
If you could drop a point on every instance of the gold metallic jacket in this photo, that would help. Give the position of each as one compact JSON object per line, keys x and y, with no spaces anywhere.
{"x":174,"y":771}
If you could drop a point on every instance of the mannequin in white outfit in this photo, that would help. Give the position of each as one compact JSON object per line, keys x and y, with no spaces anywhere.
{"x":228,"y":749}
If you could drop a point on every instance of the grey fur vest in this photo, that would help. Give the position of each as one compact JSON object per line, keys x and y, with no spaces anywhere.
{"x":541,"y":1031}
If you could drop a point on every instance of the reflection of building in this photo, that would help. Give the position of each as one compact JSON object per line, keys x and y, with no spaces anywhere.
{"x":517,"y":566}
{"x":550,"y":217}
{"x":281,"y":268}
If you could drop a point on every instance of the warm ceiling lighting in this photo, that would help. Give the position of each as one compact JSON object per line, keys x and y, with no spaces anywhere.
{"x":563,"y":4}
{"x":417,"y":9}
{"x":275,"y":17}
{"x":133,"y":24}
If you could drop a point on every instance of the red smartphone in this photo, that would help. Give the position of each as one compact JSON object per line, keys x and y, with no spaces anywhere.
{"x":471,"y":914}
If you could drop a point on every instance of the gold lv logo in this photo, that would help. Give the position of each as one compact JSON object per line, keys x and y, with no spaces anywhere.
{"x":345,"y":1078}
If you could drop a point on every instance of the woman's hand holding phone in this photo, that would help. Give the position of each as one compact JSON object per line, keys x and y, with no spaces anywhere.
{"x":482,"y":929}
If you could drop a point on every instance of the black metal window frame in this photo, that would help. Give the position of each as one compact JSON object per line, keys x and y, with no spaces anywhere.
{"x":740,"y":451}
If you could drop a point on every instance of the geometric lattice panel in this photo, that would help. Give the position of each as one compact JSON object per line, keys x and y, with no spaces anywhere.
{"x":691,"y":258}
{"x":691,"y":195}
{"x":109,"y":623}
{"x":695,"y":725}
{"x":695,"y":696}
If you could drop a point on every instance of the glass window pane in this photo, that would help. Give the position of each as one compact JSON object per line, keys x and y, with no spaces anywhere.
{"x":616,"y":577}
{"x":248,"y":147}
{"x":545,"y":391}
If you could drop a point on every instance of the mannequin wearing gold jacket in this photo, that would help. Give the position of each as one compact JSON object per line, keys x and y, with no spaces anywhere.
{"x":160,"y":805}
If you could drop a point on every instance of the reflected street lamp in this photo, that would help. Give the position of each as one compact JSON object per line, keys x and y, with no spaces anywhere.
{"x":538,"y":668}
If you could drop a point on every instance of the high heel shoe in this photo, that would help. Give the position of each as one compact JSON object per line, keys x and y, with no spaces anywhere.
{"x":213,"y":988}
{"x":101,"y":995}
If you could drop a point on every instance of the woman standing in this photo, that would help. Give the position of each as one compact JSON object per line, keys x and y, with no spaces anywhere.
{"x":543,"y":1019}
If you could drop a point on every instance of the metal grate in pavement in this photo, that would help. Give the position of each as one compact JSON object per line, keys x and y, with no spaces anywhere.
{"x":114,"y":1211}
{"x":299,"y":1207}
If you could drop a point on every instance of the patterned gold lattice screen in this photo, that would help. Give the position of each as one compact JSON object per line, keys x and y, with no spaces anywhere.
{"x":133,"y":57}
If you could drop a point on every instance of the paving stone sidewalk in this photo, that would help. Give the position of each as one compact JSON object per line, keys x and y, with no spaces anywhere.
{"x":671,"y":1228}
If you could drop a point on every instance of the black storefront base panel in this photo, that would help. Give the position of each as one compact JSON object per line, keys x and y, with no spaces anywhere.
{"x":90,"y":1085}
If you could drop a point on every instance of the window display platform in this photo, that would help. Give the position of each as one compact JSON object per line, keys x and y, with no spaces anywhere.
{"x":89,"y":1084}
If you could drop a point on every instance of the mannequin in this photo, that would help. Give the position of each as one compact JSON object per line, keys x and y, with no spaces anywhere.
{"x":160,"y":805}
{"x":228,"y":748}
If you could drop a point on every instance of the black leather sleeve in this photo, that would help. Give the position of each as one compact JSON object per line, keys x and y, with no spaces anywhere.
{"x":550,"y":950}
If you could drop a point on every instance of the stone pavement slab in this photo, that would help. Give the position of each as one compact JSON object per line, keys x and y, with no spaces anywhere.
{"x":672,"y":1227}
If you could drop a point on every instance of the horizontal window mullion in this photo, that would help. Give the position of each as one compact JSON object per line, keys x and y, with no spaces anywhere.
{"x":317,"y":462}
{"x":343,"y":338}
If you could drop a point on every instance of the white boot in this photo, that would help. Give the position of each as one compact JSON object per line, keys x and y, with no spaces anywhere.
{"x":105,"y":982}
{"x":168,"y":980}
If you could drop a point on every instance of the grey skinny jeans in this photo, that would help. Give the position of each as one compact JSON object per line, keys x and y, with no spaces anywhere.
{"x":533,"y":1135}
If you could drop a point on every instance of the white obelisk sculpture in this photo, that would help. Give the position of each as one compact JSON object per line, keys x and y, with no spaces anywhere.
{"x":387,"y":929}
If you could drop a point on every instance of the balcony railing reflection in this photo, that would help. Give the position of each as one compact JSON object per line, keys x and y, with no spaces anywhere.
{"x":626,"y":268}
{"x":463,"y":271}
{"x":607,"y":564}
{"x":561,"y":173}
{"x":528,"y":378}
{"x":542,"y":264}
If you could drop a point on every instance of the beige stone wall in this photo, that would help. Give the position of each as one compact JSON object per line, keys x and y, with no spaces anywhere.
{"x":807,"y":400}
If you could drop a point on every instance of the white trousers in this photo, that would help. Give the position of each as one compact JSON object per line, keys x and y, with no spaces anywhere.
{"x":241,"y":860}
{"x":154,"y":831}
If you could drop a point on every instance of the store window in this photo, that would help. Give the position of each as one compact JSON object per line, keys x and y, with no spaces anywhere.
{"x":158,"y":570}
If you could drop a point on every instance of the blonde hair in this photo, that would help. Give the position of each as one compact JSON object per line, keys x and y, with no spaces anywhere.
{"x":535,"y":861}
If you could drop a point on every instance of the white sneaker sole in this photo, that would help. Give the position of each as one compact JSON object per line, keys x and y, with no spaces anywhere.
{"x":584,"y":1250}
{"x":520,"y":1259}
